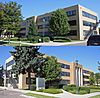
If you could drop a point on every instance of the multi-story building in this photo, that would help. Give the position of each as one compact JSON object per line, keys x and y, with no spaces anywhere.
{"x":81,"y":22}
{"x":70,"y":74}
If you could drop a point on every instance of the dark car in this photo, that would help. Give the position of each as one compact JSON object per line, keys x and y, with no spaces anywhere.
{"x":94,"y":40}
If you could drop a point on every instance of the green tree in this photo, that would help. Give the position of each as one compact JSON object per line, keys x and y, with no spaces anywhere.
{"x":10,"y":17}
{"x":51,"y":70}
{"x":27,"y":59}
{"x":58,"y":24}
{"x":97,"y":78}
{"x":92,"y":78}
{"x":32,"y":30}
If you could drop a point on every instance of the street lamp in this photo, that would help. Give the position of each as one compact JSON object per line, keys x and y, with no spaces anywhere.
{"x":99,"y":66}
{"x":77,"y":75}
{"x":38,"y":72}
{"x":43,"y":26}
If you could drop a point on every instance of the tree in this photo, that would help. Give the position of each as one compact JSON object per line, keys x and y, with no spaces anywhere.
{"x":10,"y":17}
{"x":27,"y":59}
{"x":51,"y":70}
{"x":58,"y":24}
{"x":97,"y":78}
{"x":92,"y":78}
{"x":32,"y":30}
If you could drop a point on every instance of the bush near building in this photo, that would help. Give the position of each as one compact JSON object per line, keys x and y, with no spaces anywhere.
{"x":81,"y":90}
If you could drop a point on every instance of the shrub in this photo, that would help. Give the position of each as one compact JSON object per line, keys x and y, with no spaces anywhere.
{"x":33,"y":87}
{"x":61,"y":39}
{"x":85,"y":89}
{"x":35,"y":39}
{"x":46,"y":39}
{"x":72,"y":89}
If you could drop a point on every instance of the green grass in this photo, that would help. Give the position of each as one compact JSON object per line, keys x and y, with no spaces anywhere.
{"x":51,"y":91}
{"x":97,"y":96}
{"x":38,"y":96}
{"x":94,"y":90}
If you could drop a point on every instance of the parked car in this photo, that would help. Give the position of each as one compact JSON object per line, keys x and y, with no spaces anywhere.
{"x":94,"y":40}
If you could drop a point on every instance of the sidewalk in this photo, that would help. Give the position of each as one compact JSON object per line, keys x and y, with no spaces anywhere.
{"x":48,"y":43}
{"x":61,"y":95}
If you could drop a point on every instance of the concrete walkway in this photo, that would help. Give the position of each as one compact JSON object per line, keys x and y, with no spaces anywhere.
{"x":48,"y":43}
{"x":61,"y":95}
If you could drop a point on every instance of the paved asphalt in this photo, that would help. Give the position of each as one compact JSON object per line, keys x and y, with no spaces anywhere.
{"x":10,"y":94}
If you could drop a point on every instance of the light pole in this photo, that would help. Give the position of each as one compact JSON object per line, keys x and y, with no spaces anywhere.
{"x":77,"y":76}
{"x":99,"y":66}
{"x":43,"y":27}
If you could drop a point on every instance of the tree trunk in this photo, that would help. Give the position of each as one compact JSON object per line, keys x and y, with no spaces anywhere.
{"x":29,"y":80}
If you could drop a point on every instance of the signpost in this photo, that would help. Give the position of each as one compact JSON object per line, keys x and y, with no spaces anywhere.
{"x":40,"y":83}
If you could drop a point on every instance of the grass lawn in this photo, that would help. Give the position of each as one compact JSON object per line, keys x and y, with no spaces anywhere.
{"x":38,"y":96}
{"x":94,"y":90}
{"x":51,"y":91}
{"x":97,"y":96}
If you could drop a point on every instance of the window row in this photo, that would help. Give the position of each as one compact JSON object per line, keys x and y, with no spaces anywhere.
{"x":65,"y":66}
{"x":45,"y":19}
{"x":85,"y":71}
{"x":86,"y":23}
{"x":86,"y":77}
{"x":71,"y":13}
{"x":43,"y":26}
{"x":89,"y":15}
{"x":65,"y":73}
{"x":10,"y":63}
{"x":72,"y":33}
{"x":72,"y":22}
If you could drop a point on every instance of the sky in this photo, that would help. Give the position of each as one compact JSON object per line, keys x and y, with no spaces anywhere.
{"x":87,"y":56}
{"x":38,"y":7}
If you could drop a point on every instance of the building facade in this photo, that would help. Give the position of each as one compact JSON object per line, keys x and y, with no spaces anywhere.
{"x":81,"y":20}
{"x":70,"y":74}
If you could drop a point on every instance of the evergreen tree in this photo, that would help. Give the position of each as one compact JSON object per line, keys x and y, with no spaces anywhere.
{"x":27,"y":59}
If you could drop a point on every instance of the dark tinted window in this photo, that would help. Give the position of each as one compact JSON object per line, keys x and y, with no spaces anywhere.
{"x":72,"y":33}
{"x":89,"y":15}
{"x":65,"y":66}
{"x":72,"y":23}
{"x":71,"y":13}
{"x":65,"y":73}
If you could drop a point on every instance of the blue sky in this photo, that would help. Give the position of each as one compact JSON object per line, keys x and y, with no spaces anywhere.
{"x":37,"y":7}
{"x":87,"y":56}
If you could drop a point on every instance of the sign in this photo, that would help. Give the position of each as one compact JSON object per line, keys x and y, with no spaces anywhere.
{"x":40,"y":83}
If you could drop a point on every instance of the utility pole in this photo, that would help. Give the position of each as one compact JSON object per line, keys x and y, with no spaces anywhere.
{"x":99,"y":66}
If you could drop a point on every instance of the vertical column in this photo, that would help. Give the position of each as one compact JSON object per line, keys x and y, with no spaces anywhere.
{"x":81,"y":78}
{"x":79,"y":74}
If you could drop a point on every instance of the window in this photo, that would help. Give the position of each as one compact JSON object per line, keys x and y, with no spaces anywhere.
{"x":85,"y":32}
{"x":10,"y":63}
{"x":86,"y":23}
{"x":85,"y":14}
{"x":72,"y":33}
{"x":85,"y":71}
{"x":32,"y":80}
{"x":72,"y":22}
{"x":65,"y":66}
{"x":71,"y":13}
{"x":40,"y":27}
{"x":45,"y":18}
{"x":86,"y":77}
{"x":65,"y":82}
{"x":65,"y":73}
